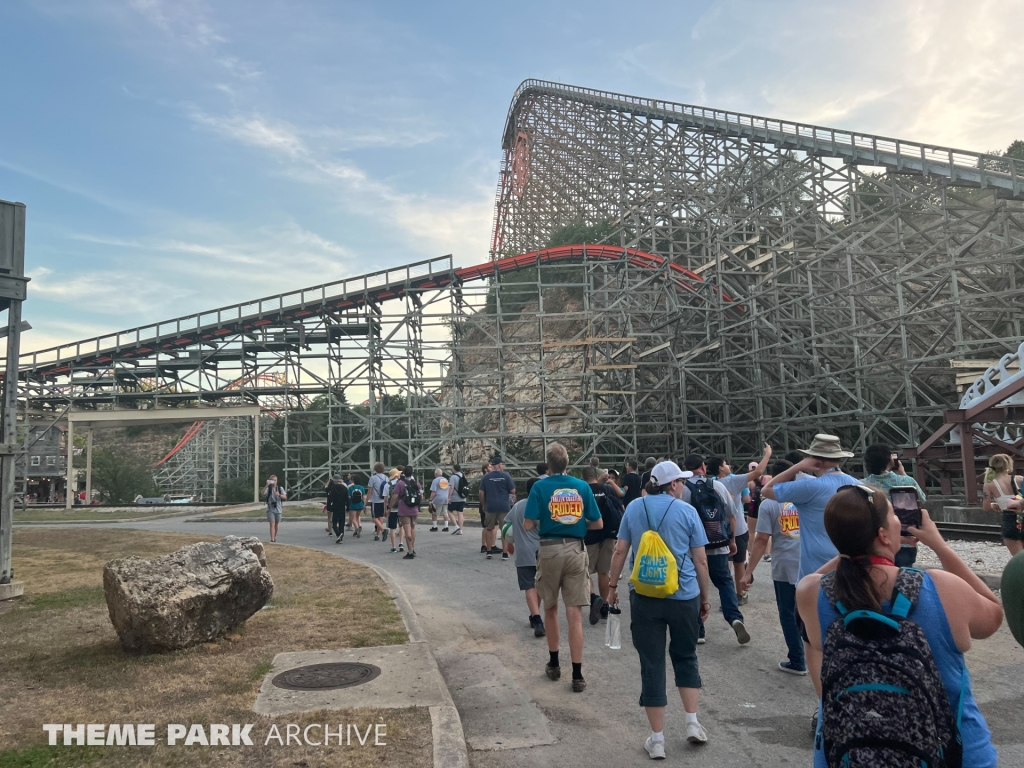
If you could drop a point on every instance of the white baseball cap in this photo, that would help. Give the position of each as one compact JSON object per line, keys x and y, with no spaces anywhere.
{"x":667,"y":471}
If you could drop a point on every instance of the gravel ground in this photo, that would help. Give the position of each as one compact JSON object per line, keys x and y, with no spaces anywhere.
{"x":984,"y":556}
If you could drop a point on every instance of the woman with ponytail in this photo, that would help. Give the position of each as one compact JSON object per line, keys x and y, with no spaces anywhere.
{"x":952,"y":606}
{"x":1002,"y":493}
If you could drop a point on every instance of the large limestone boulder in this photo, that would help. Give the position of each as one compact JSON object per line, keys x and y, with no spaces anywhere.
{"x":187,"y":597}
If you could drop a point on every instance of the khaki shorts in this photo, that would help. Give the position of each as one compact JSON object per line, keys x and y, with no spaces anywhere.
{"x":600,"y":556}
{"x":409,"y":520}
{"x":563,"y":566}
{"x":494,"y":520}
{"x":440,"y":510}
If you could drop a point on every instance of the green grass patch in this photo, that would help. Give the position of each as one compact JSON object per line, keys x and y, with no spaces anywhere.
{"x":79,"y":597}
{"x":260,"y":671}
{"x":49,"y":757}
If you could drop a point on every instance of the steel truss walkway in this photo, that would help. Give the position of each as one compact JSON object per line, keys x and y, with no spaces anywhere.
{"x":365,"y":368}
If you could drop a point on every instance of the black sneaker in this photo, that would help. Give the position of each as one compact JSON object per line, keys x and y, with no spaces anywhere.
{"x":604,"y":611}
{"x":595,"y":609}
{"x":504,"y":555}
{"x":489,"y":555}
{"x":483,"y":550}
{"x":340,"y":539}
{"x":433,"y":527}
{"x":578,"y":684}
{"x":495,"y":550}
{"x":538,"y":628}
{"x":553,"y":673}
{"x":410,"y":556}
{"x":376,"y":537}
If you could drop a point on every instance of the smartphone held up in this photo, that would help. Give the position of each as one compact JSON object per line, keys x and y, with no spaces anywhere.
{"x":907,"y":508}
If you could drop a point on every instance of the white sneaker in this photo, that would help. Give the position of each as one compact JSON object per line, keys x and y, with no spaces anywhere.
{"x":695,"y":733}
{"x":656,"y":749}
{"x":741,"y":632}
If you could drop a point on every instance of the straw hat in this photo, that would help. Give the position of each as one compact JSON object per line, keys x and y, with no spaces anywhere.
{"x":393,"y":474}
{"x":826,"y":447}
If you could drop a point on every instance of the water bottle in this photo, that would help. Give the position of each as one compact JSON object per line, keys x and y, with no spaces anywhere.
{"x":613,"y":630}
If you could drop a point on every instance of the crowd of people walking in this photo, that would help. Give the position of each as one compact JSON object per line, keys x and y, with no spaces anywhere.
{"x":874,"y":634}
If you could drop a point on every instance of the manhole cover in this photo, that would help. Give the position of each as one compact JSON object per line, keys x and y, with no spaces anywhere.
{"x":319,"y":677}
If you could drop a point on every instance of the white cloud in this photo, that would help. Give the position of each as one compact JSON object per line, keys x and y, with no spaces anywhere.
{"x":253,"y":131}
{"x":186,"y":20}
{"x":451,"y":226}
{"x":937,"y":71}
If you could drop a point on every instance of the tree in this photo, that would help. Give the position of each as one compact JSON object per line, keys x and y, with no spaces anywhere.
{"x":235,"y":490}
{"x":519,"y":289}
{"x":1015,"y":150}
{"x":121,"y":475}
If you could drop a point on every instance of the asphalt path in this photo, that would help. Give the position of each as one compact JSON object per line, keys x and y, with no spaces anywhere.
{"x":755,"y":715}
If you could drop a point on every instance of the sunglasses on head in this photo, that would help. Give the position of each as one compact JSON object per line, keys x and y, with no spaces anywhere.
{"x":867,"y":490}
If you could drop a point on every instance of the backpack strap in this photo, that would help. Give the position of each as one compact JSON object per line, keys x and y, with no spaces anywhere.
{"x":647,"y":512}
{"x":906,"y":591}
{"x":828,"y":586}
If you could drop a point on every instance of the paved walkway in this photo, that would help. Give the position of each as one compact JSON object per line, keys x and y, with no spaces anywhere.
{"x":476,"y":621}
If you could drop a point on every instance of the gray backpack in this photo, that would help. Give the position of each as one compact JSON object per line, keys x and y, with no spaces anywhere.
{"x":883,"y":701}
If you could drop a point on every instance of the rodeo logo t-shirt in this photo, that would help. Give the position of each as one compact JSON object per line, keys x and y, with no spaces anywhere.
{"x":562,"y":505}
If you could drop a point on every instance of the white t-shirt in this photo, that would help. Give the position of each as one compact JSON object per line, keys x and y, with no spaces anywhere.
{"x":723,"y":494}
{"x":735,"y":485}
{"x":453,"y":485}
{"x":377,"y":485}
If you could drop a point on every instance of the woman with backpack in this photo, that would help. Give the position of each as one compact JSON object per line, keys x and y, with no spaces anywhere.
{"x":652,"y":523}
{"x":895,"y":687}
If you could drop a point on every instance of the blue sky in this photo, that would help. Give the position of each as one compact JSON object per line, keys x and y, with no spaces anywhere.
{"x":179,"y":155}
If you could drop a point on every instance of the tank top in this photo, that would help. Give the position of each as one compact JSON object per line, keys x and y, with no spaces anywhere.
{"x":931,"y":617}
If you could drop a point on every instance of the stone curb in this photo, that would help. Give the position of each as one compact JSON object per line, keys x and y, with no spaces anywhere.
{"x":449,"y":739}
{"x":993,"y":580}
{"x":446,"y":725}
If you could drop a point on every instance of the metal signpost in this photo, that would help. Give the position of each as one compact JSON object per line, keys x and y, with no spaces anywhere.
{"x":12,"y":292}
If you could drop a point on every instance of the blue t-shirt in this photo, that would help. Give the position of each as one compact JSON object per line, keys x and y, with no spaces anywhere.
{"x":497,"y":486}
{"x":562,"y":504}
{"x":679,"y":527}
{"x":810,"y":496}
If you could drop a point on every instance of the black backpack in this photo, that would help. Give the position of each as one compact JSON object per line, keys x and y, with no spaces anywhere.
{"x":755,"y":499}
{"x":462,"y":486}
{"x":355,"y":496}
{"x":412,"y":497}
{"x":711,"y":510}
{"x":611,"y":510}
{"x":882,"y":697}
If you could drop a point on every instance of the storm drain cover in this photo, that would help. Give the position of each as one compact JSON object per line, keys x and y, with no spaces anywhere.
{"x":320,"y":677}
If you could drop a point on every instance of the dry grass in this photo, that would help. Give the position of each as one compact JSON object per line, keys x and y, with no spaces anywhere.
{"x":62,"y":661}
{"x":96,"y":513}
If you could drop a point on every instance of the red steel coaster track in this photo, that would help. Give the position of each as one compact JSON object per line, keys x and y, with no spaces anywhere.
{"x":351,"y":293}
